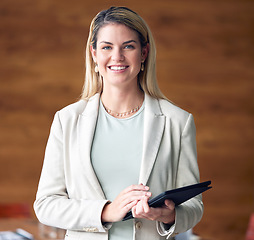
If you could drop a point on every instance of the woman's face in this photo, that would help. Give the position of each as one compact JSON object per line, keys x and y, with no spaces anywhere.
{"x":119,"y":55}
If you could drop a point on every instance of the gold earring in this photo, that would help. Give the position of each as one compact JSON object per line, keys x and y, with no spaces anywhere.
{"x":96,"y":69}
{"x":142,"y":66}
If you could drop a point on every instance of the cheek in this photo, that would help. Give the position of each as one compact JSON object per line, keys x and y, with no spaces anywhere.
{"x":101,"y":59}
{"x":138,"y":57}
{"x":137,"y":61}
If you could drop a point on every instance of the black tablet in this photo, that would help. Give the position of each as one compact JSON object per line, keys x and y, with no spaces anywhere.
{"x":178,"y":195}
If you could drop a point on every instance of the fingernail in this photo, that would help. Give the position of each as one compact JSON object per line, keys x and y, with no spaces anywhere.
{"x":146,"y":188}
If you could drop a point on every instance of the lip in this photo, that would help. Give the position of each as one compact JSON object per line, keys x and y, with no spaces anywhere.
{"x":118,"y":68}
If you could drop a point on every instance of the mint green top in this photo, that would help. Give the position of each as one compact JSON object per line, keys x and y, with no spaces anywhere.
{"x":116,"y":158}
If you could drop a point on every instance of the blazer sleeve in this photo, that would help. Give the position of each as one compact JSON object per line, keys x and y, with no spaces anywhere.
{"x":189,"y":213}
{"x":52,"y":205}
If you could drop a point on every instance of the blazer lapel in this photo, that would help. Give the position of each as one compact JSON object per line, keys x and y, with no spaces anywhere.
{"x":154,"y":123}
{"x":86,"y":127}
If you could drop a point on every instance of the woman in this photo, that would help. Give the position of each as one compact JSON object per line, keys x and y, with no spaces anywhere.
{"x":121,"y":144}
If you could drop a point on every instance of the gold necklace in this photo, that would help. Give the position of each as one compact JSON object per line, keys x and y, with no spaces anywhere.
{"x":123,"y":114}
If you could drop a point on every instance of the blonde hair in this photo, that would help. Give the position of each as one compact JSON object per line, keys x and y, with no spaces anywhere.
{"x":121,"y":15}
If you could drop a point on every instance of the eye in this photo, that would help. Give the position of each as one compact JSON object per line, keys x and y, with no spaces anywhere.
{"x":129,"y":46}
{"x":106,"y":47}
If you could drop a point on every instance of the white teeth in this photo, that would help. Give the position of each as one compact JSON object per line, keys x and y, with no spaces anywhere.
{"x":117,"y":68}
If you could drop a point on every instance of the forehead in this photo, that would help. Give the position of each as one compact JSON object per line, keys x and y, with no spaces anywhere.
{"x":116,"y":33}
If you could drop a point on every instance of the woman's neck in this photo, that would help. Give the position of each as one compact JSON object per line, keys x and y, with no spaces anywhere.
{"x":120,"y":101}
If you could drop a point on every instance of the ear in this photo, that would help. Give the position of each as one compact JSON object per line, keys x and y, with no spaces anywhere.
{"x":144,"y":52}
{"x":93,"y":52}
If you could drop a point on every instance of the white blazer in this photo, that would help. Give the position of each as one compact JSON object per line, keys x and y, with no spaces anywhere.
{"x":69,"y":195}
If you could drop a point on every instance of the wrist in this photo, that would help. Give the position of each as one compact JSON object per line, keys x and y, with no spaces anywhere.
{"x":170,"y":220}
{"x":105,"y":213}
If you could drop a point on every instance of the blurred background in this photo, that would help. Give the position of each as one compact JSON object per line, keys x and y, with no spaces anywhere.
{"x":205,"y":64}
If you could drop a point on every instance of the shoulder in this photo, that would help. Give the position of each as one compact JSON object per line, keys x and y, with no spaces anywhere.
{"x":71,"y":113}
{"x":73,"y":109}
{"x":172,"y":111}
{"x":81,"y":106}
{"x":68,"y":115}
{"x":177,"y":117}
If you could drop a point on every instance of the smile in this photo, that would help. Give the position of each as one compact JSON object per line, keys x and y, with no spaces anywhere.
{"x":117,"y":68}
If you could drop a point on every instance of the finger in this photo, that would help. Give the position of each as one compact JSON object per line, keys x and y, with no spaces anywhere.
{"x":142,"y":210}
{"x":169,"y":204}
{"x":146,"y":187}
{"x":139,"y":187}
{"x":138,"y":210}
{"x":135,"y":195}
{"x":146,"y":207}
{"x":130,"y":206}
{"x":133,"y":211}
{"x":140,"y":207}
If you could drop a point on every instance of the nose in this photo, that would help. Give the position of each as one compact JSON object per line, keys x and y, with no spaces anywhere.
{"x":117,"y":55}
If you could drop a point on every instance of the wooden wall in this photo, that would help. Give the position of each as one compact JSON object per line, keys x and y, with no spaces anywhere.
{"x":205,"y":65}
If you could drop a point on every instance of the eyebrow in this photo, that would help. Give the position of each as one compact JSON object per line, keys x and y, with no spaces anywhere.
{"x":127,"y":42}
{"x":130,"y":41}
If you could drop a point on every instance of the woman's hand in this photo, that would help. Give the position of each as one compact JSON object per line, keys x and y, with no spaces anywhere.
{"x":165,"y":214}
{"x":124,"y":202}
